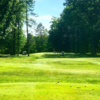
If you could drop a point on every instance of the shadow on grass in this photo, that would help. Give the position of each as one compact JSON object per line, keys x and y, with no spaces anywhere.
{"x":11,"y":56}
{"x":4,"y":56}
{"x":70,"y":55}
{"x":52,"y":55}
{"x":31,"y":57}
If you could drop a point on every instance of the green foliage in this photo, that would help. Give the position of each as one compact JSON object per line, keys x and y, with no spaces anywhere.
{"x":12,"y":17}
{"x":77,"y":29}
{"x":39,"y":42}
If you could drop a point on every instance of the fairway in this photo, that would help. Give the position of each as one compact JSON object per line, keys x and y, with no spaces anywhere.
{"x":48,"y":76}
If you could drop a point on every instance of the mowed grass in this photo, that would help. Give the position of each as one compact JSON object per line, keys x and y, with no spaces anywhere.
{"x":48,"y":76}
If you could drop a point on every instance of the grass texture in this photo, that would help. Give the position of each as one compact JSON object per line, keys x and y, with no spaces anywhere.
{"x":48,"y":76}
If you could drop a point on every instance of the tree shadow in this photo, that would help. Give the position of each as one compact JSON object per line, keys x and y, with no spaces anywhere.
{"x":70,"y":55}
{"x":10,"y":56}
{"x":4,"y":56}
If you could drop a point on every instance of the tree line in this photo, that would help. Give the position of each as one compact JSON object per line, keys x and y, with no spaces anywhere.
{"x":39,"y":41}
{"x":78,"y":28}
{"x":13,"y":15}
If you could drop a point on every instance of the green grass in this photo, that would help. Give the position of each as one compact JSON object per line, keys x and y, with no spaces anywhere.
{"x":48,"y":76}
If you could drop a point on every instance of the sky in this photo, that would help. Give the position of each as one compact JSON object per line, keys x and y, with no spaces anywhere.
{"x":46,"y":9}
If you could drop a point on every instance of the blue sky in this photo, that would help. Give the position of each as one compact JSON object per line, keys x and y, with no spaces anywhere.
{"x":46,"y":9}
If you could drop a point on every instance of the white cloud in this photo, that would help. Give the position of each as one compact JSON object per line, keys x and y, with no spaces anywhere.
{"x":45,"y":20}
{"x":45,"y":17}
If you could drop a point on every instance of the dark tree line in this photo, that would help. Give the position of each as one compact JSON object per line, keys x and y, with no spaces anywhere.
{"x":78,"y":28}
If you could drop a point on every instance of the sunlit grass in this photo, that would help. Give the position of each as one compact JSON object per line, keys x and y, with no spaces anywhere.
{"x":36,"y":77}
{"x":49,"y":91}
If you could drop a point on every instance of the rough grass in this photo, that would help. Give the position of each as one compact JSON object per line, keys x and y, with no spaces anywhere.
{"x":48,"y":76}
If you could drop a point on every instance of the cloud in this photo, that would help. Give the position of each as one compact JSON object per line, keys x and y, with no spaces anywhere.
{"x":45,"y":20}
{"x":45,"y":17}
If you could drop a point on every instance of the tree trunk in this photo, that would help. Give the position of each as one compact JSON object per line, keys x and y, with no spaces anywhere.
{"x":18,"y":40}
{"x":13,"y":44}
{"x":93,"y":51}
{"x":27,"y":30}
{"x":75,"y":42}
{"x":82,"y":40}
{"x":93,"y":44}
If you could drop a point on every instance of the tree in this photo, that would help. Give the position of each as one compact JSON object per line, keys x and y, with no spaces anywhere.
{"x":41,"y":38}
{"x":29,"y":9}
{"x":12,"y":17}
{"x":77,"y":28}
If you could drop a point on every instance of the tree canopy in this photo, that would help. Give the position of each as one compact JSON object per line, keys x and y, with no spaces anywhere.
{"x":77,"y":29}
{"x":12,"y":18}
